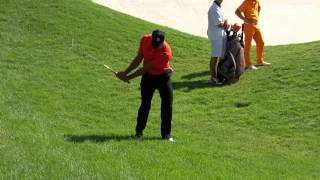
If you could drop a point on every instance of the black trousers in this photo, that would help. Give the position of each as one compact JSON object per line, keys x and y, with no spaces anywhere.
{"x":149,"y":83}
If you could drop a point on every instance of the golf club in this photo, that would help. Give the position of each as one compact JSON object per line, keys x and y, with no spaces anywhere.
{"x":106,"y":66}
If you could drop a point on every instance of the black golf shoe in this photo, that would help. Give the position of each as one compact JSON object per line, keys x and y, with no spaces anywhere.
{"x":138,"y":135}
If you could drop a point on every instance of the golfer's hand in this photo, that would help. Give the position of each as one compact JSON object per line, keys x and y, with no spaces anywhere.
{"x":122,"y":76}
{"x":226,"y":24}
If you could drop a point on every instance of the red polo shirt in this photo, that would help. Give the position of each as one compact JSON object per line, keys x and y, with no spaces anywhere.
{"x":160,"y":57}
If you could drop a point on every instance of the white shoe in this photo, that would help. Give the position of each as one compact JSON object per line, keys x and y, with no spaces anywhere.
{"x":264,"y":63}
{"x":169,"y":138}
{"x":252,"y":67}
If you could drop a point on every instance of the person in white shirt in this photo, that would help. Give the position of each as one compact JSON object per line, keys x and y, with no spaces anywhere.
{"x":217,"y":25}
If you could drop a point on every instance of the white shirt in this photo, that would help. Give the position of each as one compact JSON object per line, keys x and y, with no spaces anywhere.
{"x":215,"y":17}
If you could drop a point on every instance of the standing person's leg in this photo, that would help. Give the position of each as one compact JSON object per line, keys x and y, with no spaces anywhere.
{"x":248,"y":34}
{"x":213,"y":67}
{"x":166,"y":94}
{"x":216,"y":51}
{"x":147,"y":90}
{"x":260,"y":45}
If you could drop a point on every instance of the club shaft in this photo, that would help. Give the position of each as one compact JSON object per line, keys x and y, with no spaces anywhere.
{"x":106,"y":66}
{"x":110,"y":68}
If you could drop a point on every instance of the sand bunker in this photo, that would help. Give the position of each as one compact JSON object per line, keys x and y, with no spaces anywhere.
{"x":282,"y":22}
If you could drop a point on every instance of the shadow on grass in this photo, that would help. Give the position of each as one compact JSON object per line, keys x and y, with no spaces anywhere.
{"x":196,"y":74}
{"x":104,"y":138}
{"x":191,"y":85}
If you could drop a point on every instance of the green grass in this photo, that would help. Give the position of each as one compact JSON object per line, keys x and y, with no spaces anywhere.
{"x":64,"y":117}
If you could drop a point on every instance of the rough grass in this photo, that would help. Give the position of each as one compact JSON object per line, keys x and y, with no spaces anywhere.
{"x":64,"y":117}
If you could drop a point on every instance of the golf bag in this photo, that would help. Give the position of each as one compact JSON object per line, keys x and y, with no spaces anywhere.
{"x":232,"y":65}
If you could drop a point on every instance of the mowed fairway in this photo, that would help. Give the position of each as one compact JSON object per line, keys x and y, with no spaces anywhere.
{"x":62,"y":116}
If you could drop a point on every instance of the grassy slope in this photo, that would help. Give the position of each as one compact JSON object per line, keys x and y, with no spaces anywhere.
{"x":63,"y":116}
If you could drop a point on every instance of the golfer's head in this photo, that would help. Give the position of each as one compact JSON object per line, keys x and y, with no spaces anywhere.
{"x":158,"y":38}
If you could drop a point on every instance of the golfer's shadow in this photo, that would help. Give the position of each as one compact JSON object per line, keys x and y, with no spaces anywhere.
{"x":104,"y":138}
{"x":190,"y":84}
{"x":196,"y":74}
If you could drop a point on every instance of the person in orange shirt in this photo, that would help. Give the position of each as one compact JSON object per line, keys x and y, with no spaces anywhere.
{"x":249,"y":12}
{"x":155,"y":53}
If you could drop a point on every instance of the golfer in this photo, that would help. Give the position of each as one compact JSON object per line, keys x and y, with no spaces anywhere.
{"x":249,"y":12}
{"x":217,"y":25}
{"x":155,"y":53}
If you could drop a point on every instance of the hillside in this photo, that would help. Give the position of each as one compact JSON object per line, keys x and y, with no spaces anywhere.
{"x":62,"y":116}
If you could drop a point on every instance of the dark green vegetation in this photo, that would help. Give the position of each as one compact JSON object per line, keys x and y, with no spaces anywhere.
{"x":64,"y":117}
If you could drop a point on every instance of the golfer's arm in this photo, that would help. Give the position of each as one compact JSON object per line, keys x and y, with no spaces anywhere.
{"x":134,"y":64}
{"x":238,"y":13}
{"x":141,"y":71}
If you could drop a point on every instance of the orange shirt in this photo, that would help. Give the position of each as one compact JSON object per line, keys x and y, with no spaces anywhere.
{"x":250,"y":9}
{"x":160,"y":57}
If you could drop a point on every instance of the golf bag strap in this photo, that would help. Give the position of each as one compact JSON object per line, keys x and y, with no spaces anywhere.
{"x":233,"y":60}
{"x":241,"y":37}
{"x":242,"y":28}
{"x":238,"y":52}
